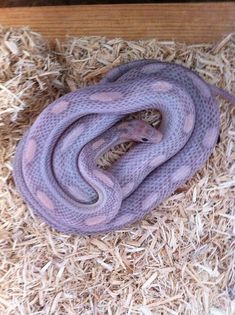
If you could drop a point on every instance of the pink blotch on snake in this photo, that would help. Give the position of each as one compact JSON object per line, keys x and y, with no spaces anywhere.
{"x":55,"y":162}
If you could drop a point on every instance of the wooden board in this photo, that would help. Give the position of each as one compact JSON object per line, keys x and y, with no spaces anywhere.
{"x":187,"y":22}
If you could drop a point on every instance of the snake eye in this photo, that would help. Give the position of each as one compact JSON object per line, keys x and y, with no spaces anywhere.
{"x":144,"y":139}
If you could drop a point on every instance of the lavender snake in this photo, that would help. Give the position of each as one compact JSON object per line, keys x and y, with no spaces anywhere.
{"x":55,"y":167}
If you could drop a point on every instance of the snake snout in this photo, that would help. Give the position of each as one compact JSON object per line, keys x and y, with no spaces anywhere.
{"x":141,"y":131}
{"x":149,"y":134}
{"x":156,"y":137}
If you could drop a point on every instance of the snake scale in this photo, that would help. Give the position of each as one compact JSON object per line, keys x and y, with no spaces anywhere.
{"x":55,"y":165}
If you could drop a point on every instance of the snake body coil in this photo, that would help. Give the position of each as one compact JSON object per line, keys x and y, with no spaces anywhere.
{"x":55,"y":164}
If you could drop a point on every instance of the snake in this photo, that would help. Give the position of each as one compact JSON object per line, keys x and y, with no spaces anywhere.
{"x":55,"y":165}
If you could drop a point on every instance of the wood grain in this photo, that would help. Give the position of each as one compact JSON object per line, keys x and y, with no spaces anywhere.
{"x":186,"y":22}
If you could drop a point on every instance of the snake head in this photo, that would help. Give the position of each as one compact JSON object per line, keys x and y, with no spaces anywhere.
{"x":139,"y":131}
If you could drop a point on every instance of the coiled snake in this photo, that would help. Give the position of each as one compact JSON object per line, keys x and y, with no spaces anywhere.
{"x":55,"y":163}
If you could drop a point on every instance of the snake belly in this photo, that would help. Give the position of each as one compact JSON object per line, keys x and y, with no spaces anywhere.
{"x":46,"y":165}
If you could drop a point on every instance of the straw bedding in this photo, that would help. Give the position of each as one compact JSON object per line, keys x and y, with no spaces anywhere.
{"x":178,"y":260}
